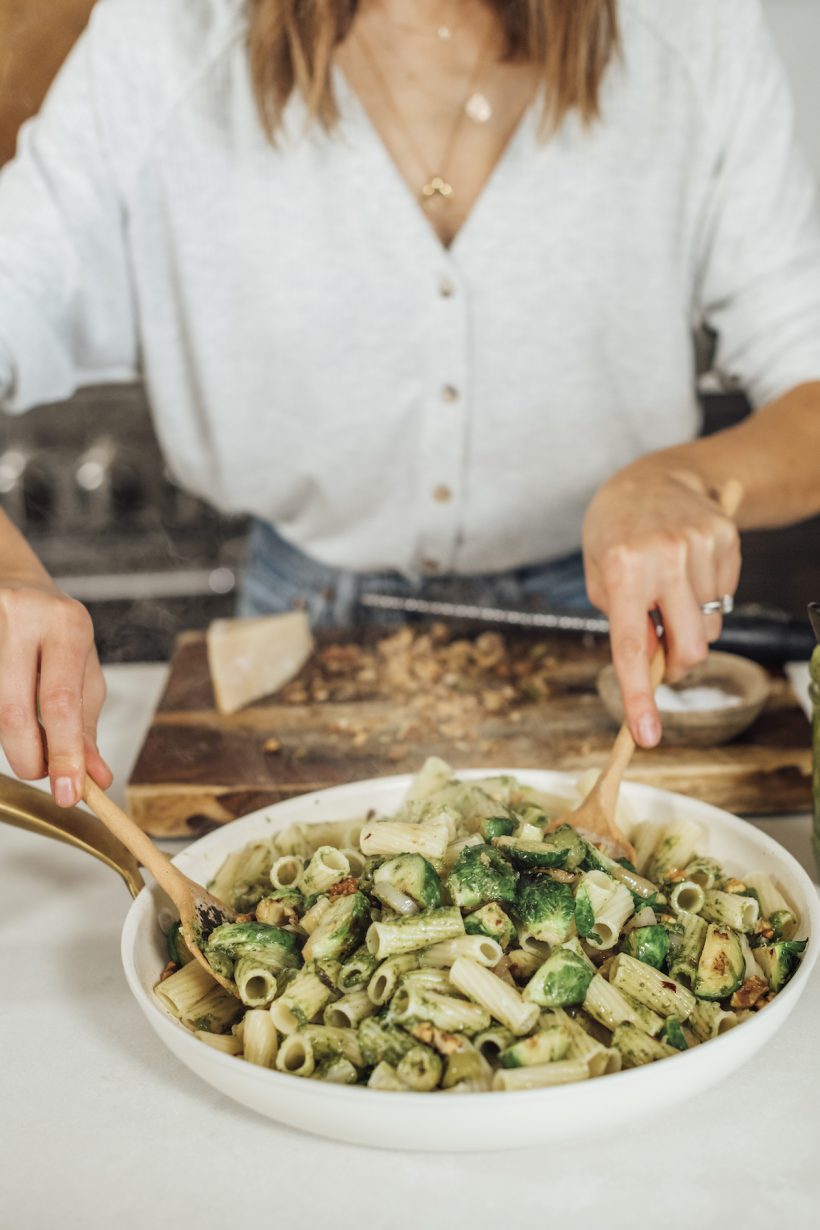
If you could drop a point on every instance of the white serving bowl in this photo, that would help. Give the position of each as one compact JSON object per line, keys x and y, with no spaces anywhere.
{"x":469,"y":1121}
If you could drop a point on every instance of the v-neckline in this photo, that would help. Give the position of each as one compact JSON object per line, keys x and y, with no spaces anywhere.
{"x":353,"y":109}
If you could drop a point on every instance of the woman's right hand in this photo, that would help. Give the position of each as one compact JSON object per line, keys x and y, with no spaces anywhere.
{"x":49,"y":663}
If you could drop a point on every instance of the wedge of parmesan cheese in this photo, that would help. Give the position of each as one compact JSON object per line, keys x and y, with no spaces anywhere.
{"x":250,"y":658}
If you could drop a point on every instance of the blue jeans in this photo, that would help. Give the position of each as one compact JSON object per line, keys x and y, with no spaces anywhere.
{"x":278,"y":577}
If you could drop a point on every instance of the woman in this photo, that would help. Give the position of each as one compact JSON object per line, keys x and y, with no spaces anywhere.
{"x":415,"y":284}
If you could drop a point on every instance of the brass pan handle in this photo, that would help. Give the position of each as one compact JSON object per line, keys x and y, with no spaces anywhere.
{"x":34,"y":810}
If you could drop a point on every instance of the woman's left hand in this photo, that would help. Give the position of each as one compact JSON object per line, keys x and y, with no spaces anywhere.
{"x":654,"y":539}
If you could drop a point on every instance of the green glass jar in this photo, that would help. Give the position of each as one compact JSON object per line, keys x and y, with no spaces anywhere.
{"x":814,"y":694}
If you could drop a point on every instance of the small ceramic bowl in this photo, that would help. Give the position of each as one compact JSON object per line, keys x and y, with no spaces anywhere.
{"x":738,"y":677}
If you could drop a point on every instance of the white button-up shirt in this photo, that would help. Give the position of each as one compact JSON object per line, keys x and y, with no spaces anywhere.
{"x":315,"y":357}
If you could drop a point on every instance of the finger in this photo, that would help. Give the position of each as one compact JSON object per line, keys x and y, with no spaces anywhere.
{"x":20,"y":732}
{"x":630,"y":632}
{"x":712,"y":627}
{"x":684,"y":628}
{"x":93,"y":694}
{"x":62,"y":673}
{"x":593,"y":581}
{"x":96,"y":767}
{"x":93,"y":697}
{"x":703,"y":579}
{"x":729,"y":563}
{"x":725,"y":568}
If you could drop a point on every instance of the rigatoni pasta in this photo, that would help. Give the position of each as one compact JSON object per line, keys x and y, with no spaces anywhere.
{"x":260,"y":1038}
{"x":467,"y":945}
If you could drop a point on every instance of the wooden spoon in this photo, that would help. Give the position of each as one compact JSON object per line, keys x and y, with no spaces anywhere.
{"x":596,"y":814}
{"x":199,"y":912}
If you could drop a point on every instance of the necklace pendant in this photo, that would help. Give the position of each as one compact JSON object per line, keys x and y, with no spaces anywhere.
{"x":478,"y":108}
{"x":436,"y":188}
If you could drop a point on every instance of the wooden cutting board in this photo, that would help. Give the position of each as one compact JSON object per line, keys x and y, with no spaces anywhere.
{"x":199,"y":769}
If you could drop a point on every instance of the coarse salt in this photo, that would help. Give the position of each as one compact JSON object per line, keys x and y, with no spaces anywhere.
{"x":694,"y":699}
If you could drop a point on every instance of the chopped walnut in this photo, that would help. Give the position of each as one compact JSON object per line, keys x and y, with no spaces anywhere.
{"x":674,"y":876}
{"x":170,"y":968}
{"x":445,"y":1043}
{"x":427,"y":670}
{"x":343,"y":888}
{"x":734,"y":886}
{"x":747,"y":995}
{"x":339,"y":659}
{"x":490,"y":644}
{"x":764,"y":927}
{"x":450,"y":686}
{"x":493,"y":702}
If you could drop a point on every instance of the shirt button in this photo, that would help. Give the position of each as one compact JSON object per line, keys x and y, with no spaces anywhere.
{"x":446,"y":288}
{"x":442,"y":494}
{"x":449,"y":393}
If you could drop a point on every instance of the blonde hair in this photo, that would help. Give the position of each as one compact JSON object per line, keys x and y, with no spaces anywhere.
{"x":291,"y":45}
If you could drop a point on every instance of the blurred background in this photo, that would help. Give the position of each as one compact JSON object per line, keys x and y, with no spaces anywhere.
{"x":85,"y":480}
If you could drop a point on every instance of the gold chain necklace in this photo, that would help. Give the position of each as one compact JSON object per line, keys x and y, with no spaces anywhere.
{"x":437,"y":186}
{"x":445,"y":31}
{"x":477,"y":106}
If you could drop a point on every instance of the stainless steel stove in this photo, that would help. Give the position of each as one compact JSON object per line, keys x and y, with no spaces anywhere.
{"x":86,"y":483}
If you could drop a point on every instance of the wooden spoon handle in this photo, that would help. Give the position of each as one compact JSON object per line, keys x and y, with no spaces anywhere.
{"x":609,"y":783}
{"x":730,"y":497}
{"x":139,"y":843}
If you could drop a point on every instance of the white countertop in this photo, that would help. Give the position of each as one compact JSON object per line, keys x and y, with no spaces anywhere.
{"x":101,"y":1129}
